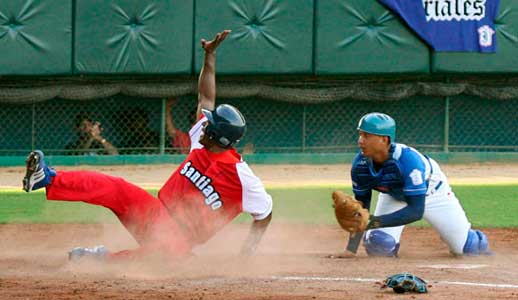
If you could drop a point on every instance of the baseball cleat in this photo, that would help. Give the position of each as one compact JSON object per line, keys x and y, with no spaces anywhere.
{"x":38,"y":174}
{"x":95,"y":253}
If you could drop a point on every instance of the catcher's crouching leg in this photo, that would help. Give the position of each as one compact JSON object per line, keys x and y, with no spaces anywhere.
{"x":476,"y":243}
{"x":379,"y":243}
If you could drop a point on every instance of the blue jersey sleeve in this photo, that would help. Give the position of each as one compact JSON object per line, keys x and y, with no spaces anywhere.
{"x":412,"y":212}
{"x":413,"y":172}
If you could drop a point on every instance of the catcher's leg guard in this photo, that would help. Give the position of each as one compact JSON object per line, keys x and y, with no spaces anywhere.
{"x":379,"y":243}
{"x":476,"y":243}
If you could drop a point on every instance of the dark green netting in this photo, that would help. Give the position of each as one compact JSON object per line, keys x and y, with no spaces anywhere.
{"x":293,"y":90}
{"x":475,"y":124}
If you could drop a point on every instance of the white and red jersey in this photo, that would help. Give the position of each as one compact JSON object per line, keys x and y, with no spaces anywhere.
{"x":208,"y":190}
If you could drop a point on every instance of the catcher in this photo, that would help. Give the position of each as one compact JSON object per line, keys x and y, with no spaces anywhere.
{"x":411,"y":187}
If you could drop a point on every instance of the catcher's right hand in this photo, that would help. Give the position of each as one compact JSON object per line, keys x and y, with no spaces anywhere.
{"x":349,"y":212}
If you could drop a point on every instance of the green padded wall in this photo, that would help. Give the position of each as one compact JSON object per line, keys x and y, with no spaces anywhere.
{"x":362,"y":37}
{"x":268,"y":36}
{"x":35,"y":37}
{"x":132,"y":36}
{"x":503,"y":61}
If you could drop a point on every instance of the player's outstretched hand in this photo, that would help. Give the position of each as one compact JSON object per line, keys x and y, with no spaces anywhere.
{"x":210,"y":46}
{"x":341,"y":255}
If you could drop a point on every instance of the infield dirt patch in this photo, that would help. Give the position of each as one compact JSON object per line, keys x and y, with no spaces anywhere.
{"x":290,"y":264}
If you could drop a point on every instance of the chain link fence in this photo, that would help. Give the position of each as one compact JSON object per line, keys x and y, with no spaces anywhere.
{"x":134,"y":125}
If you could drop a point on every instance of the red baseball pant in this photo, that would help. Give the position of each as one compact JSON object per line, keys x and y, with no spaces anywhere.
{"x":144,"y":216}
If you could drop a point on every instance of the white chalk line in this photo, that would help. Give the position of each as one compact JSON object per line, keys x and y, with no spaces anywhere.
{"x":310,"y":278}
{"x":457,"y":266}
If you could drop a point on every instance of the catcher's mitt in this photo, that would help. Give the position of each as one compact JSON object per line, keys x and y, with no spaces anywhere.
{"x":405,"y":282}
{"x":349,"y":212}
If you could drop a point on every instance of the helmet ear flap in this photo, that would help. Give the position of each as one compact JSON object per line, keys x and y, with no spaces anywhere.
{"x":212,"y":132}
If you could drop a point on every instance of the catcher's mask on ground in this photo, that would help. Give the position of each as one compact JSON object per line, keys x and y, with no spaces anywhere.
{"x":226,"y":125}
{"x":379,"y":124}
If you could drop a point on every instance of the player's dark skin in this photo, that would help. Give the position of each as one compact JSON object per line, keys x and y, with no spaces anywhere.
{"x":207,"y":100}
{"x":207,"y":86}
{"x":208,"y":143}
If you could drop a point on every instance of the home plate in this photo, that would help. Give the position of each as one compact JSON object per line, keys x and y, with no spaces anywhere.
{"x":454,"y":266}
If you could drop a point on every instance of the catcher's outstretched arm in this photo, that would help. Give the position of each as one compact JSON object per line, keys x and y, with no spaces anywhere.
{"x":355,"y":239}
{"x":412,"y":212}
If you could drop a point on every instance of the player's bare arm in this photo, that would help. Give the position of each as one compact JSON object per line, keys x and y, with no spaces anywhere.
{"x":95,"y":133}
{"x":255,"y":235}
{"x":207,"y":79}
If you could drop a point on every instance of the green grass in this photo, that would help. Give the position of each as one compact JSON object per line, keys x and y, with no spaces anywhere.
{"x":485,"y":205}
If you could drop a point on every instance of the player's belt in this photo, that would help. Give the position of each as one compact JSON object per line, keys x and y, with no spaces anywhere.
{"x":438,"y":185}
{"x":429,"y":181}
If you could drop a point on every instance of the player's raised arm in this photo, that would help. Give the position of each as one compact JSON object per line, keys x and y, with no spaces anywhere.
{"x":207,"y":79}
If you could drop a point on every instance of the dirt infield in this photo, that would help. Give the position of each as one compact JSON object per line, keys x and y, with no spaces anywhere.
{"x":290,"y":263}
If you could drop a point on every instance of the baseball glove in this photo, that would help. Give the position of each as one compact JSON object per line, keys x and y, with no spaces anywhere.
{"x":349,"y":212}
{"x":405,"y":282}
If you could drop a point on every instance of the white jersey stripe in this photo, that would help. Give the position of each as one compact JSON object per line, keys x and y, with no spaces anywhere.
{"x":195,"y":134}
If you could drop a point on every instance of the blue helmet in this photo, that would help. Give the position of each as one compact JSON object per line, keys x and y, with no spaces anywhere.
{"x":226,"y":125}
{"x":379,"y":124}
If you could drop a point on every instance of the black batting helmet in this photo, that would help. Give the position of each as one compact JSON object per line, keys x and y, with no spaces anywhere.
{"x":226,"y":125}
